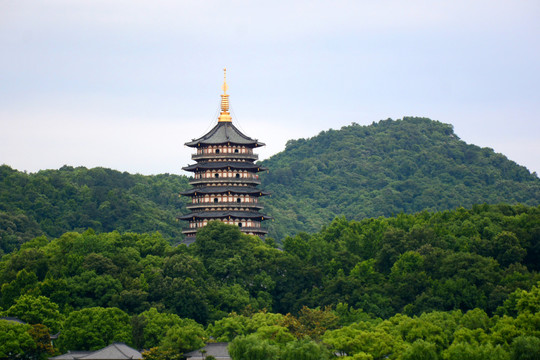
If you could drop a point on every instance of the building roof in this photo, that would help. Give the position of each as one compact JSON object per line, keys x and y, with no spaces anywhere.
{"x":240,"y":165}
{"x":224,"y":133}
{"x":12,"y":319}
{"x":188,"y":240}
{"x":116,"y":351}
{"x":225,"y":214}
{"x":217,"y":350}
{"x":71,"y":355}
{"x":250,"y":190}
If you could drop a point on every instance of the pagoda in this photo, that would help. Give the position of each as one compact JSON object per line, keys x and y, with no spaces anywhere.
{"x":225,"y":178}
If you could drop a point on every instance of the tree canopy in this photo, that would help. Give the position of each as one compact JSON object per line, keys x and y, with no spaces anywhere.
{"x":386,"y":168}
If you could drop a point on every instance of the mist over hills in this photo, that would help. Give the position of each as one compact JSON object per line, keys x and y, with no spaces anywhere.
{"x":381,"y":169}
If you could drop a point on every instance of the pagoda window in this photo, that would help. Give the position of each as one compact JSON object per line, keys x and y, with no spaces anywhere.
{"x":239,"y":224}
{"x":216,"y":200}
{"x":217,"y":151}
{"x":237,"y":176}
{"x":216,"y":175}
{"x":236,"y":151}
{"x":238,"y":200}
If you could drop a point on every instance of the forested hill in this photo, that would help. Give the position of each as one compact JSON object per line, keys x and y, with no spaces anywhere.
{"x":386,"y":168}
{"x":358,"y":172}
{"x":462,"y":282}
{"x":52,"y":202}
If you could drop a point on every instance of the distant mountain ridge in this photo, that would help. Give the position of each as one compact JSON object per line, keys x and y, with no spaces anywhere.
{"x":381,"y":169}
{"x":385,"y":168}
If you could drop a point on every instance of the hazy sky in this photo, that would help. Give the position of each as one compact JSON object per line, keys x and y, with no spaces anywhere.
{"x":124,"y":84}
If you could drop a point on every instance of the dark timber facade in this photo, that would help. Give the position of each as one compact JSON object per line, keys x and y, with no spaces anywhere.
{"x":225,"y":179}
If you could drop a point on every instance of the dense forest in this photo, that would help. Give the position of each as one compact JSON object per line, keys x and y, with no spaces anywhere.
{"x":388,"y":167}
{"x":395,"y":240}
{"x":452,"y":285}
{"x":52,"y":202}
{"x":358,"y":172}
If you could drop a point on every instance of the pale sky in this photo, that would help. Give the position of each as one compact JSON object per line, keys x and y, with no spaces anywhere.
{"x":124,"y":84}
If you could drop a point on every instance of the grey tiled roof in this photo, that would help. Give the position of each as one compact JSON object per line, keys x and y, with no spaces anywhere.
{"x":116,"y":351}
{"x":71,"y":355}
{"x":12,"y":319}
{"x":241,"y":165}
{"x":222,"y":214}
{"x":223,"y":133}
{"x":217,"y":350}
{"x":223,"y":189}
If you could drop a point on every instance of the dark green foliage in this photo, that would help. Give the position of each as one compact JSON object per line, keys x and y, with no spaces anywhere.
{"x":374,"y":268}
{"x":387,"y":168}
{"x":52,"y":202}
{"x":526,"y":348}
{"x":439,"y":272}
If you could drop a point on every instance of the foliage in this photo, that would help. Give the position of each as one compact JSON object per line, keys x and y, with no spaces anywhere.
{"x":252,"y":348}
{"x":406,"y":284}
{"x":15,"y":339}
{"x":36,"y":310}
{"x":184,"y":337}
{"x":152,"y":326}
{"x":42,"y":337}
{"x":386,"y":168}
{"x":53,"y":202}
{"x":94,"y":328}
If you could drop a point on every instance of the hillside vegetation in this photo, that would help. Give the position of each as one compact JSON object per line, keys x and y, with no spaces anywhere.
{"x":386,"y":168}
{"x":52,"y":202}
{"x":458,"y":280}
{"x":357,"y":172}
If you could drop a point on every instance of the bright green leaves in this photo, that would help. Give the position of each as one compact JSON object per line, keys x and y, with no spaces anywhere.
{"x":14,"y":339}
{"x":94,"y":328}
{"x":36,"y":310}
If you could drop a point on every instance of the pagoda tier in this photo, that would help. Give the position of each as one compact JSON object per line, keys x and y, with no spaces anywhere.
{"x":218,"y":163}
{"x":248,"y":190}
{"x":225,"y":179}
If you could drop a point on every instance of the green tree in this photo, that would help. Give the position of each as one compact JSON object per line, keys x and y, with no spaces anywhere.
{"x":252,"y":348}
{"x":526,"y":348}
{"x":42,"y":337}
{"x":94,"y":328}
{"x":304,"y":350}
{"x":421,"y":350}
{"x":15,"y":340}
{"x":36,"y":310}
{"x":466,"y":351}
{"x":181,"y":338}
{"x":155,"y":326}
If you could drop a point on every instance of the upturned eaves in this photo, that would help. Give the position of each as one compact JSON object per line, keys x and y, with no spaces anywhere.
{"x":224,"y":133}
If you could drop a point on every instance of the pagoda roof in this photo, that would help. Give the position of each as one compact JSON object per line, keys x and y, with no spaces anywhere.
{"x":223,"y":189}
{"x":222,"y":214}
{"x":224,"y":133}
{"x":209,"y":165}
{"x":114,"y":351}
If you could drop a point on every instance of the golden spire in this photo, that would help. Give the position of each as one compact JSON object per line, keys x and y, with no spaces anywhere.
{"x":225,"y":116}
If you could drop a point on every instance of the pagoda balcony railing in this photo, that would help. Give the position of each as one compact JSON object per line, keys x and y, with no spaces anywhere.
{"x":233,"y":204}
{"x":242,"y":228}
{"x":253,"y":229}
{"x":221,"y":180}
{"x":224,"y":156}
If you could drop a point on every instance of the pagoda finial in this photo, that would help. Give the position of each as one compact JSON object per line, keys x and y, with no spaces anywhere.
{"x":225,"y":87}
{"x":225,"y":116}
